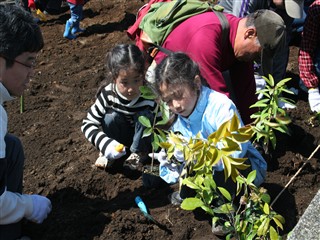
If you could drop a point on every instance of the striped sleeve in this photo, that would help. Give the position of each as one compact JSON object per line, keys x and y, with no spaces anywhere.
{"x":91,"y":125}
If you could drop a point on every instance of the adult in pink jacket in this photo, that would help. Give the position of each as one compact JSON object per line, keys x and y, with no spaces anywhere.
{"x":200,"y":36}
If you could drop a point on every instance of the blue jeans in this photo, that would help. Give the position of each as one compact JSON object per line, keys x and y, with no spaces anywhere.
{"x":117,"y":126}
{"x":76,"y":12}
{"x":15,"y":162}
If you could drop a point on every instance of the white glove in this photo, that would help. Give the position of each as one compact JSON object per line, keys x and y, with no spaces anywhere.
{"x":150,"y":74}
{"x":314,"y":99}
{"x":161,"y":157}
{"x":169,"y":172}
{"x":260,"y":84}
{"x":179,"y":155}
{"x":112,"y":153}
{"x":41,"y":208}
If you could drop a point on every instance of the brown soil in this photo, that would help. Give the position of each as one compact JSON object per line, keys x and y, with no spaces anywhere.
{"x":89,"y":203}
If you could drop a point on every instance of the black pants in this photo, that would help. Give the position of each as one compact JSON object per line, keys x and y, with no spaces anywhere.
{"x":15,"y":162}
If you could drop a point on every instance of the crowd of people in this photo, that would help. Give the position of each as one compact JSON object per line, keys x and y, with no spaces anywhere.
{"x":204,"y":79}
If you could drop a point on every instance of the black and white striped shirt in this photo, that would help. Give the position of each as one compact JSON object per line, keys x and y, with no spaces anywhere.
{"x":110,"y":99}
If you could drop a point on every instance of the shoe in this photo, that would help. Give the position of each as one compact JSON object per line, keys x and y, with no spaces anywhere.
{"x":77,"y":29}
{"x":67,"y":31}
{"x":103,"y":162}
{"x":219,"y":230}
{"x":135,"y":161}
{"x":175,"y":198}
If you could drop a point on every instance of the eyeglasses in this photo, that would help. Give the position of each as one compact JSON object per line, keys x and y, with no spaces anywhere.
{"x":32,"y":65}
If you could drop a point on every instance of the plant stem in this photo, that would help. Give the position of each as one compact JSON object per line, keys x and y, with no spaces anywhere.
{"x":21,"y":104}
{"x":294,"y":176}
{"x":153,"y":124}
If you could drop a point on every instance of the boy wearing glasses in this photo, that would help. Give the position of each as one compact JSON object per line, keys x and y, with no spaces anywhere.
{"x":20,"y":41}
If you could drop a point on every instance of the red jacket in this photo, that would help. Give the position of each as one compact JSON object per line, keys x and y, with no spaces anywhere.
{"x":76,"y":2}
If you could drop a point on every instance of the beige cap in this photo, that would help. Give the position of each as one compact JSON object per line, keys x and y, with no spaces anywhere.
{"x":294,"y":8}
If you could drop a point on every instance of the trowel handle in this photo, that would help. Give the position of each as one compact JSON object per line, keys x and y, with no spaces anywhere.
{"x":141,"y":204}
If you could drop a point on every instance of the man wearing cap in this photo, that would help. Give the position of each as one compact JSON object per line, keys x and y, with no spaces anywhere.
{"x":309,"y":55}
{"x":287,"y":9}
{"x":258,"y":34}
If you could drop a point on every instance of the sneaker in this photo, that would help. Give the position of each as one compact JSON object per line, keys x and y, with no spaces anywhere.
{"x":103,"y":162}
{"x":175,"y":198}
{"x":135,"y":161}
{"x":219,"y":230}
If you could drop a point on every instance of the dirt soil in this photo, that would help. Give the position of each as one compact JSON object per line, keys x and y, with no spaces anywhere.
{"x":90,"y":203}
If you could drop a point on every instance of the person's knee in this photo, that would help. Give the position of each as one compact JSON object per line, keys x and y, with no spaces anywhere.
{"x":13,"y":142}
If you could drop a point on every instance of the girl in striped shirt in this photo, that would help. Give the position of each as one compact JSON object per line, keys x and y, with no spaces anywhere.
{"x":112,"y":121}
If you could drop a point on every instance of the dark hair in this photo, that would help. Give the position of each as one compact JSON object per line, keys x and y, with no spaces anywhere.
{"x":177,"y":68}
{"x":123,"y":57}
{"x":19,"y":33}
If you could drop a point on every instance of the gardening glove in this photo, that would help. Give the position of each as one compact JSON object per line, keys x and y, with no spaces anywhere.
{"x":168,"y":171}
{"x":114,"y":150}
{"x":150,"y":74}
{"x":179,"y":155}
{"x":314,"y":99}
{"x":160,"y":156}
{"x":41,"y":208}
{"x":260,"y":84}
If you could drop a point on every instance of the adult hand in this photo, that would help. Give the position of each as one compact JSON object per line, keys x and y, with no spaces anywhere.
{"x":41,"y":208}
{"x":314,"y":99}
{"x":112,"y":151}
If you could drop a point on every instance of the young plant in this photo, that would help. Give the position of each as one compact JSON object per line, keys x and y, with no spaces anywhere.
{"x":271,"y":116}
{"x":249,"y":219}
{"x":156,"y":126}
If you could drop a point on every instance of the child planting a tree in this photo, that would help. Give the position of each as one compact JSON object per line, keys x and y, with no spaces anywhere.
{"x":199,"y":111}
{"x":112,"y":121}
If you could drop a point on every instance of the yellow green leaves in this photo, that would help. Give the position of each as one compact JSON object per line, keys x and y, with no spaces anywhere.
{"x":271,"y":117}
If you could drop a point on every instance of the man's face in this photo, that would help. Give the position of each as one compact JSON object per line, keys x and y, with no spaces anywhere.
{"x":16,"y":78}
{"x":249,"y":50}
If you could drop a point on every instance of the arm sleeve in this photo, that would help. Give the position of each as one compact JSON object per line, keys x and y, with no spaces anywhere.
{"x":221,"y":112}
{"x":309,"y":43}
{"x":91,"y":125}
{"x":14,"y":207}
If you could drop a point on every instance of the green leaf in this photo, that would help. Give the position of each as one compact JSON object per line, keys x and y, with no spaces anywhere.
{"x":266,"y":208}
{"x":191,"y":203}
{"x":147,"y":93}
{"x":145,"y":121}
{"x":251,"y":176}
{"x":147,"y":132}
{"x":266,"y":198}
{"x":225,"y":193}
{"x":273,"y":234}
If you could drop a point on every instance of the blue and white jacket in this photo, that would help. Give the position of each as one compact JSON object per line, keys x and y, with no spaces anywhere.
{"x":211,"y":111}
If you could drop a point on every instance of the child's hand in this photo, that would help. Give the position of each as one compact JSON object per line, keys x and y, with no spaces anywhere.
{"x":115,"y":150}
{"x":161,"y":156}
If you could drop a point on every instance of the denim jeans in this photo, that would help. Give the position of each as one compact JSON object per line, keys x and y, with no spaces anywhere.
{"x":117,"y":126}
{"x":76,"y":12}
